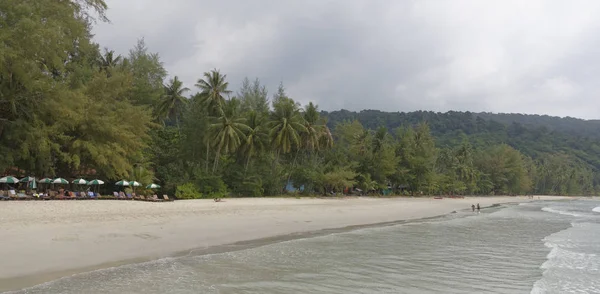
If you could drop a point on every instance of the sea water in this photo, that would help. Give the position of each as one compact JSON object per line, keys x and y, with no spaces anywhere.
{"x":538,"y":247}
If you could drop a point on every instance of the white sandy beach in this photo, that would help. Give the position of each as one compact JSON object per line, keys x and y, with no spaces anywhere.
{"x":44,"y":240}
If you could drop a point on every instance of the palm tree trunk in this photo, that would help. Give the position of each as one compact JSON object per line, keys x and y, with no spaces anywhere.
{"x":246,"y":166}
{"x":207,"y":152}
{"x":216,"y":161}
{"x":293,"y":165}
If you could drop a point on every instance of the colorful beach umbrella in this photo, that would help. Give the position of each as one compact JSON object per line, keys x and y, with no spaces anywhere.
{"x":9,"y":180}
{"x":95,"y":182}
{"x":27,"y":179}
{"x":122,"y":183}
{"x":60,"y":181}
{"x":134,"y":184}
{"x":80,"y":182}
{"x":45,"y":181}
{"x":153,"y":186}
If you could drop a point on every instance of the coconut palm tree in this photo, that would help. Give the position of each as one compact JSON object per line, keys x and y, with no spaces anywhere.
{"x":286,"y":126}
{"x":255,"y":137}
{"x":172,"y":101}
{"x":229,"y":131}
{"x":108,"y":60}
{"x":212,"y":90}
{"x":310,"y":138}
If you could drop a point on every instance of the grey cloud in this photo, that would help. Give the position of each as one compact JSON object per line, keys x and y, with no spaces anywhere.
{"x":505,"y":56}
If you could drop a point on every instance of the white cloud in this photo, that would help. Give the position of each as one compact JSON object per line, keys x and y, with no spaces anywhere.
{"x":505,"y":56}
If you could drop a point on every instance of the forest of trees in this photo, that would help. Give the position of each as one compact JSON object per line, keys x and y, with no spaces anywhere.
{"x":70,"y":108}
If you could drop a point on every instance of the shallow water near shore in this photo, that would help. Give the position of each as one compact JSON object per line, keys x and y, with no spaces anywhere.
{"x":539,"y":247}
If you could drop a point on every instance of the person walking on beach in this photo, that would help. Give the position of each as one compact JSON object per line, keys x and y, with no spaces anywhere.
{"x":473,"y":207}
{"x":478,"y":208}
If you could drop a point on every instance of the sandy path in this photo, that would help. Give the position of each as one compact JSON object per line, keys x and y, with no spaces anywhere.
{"x":40,"y":241}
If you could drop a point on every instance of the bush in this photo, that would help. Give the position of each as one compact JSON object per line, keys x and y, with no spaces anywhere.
{"x":187,"y":191}
{"x":212,"y":187}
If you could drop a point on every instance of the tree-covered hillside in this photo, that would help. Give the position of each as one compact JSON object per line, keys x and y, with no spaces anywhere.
{"x":533,"y":135}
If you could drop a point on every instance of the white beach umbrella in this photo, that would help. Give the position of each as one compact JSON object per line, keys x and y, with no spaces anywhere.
{"x":80,"y":182}
{"x":122,"y":183}
{"x":60,"y":181}
{"x":96,"y":182}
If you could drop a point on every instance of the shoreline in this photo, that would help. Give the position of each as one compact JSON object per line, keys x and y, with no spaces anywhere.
{"x":192,"y":227}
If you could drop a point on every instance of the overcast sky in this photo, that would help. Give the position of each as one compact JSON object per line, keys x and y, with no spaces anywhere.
{"x":394,"y":55}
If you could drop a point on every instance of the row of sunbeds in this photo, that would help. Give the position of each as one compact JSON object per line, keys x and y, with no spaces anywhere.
{"x":52,"y":195}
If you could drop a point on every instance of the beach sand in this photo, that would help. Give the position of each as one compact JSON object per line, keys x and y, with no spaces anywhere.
{"x":45,"y":240}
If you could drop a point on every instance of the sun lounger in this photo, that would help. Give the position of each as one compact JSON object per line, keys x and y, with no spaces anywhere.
{"x":166,"y":198}
{"x":129,"y":196}
{"x":80,"y":196}
{"x":156,"y":199}
{"x":23,"y":196}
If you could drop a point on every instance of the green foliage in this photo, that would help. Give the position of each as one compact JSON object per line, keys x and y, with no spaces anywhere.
{"x":212,"y":186}
{"x":69,"y":109}
{"x":187,"y":191}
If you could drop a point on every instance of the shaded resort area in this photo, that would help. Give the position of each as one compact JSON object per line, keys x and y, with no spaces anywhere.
{"x":30,"y":188}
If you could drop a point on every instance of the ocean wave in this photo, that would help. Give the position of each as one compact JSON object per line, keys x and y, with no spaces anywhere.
{"x":572,"y":265}
{"x":596,"y":209}
{"x":552,"y":210}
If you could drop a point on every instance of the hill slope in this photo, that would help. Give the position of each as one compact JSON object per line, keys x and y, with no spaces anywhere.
{"x":533,"y":135}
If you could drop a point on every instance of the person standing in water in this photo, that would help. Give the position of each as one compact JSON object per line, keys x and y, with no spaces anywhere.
{"x":473,"y":207}
{"x":478,"y":208}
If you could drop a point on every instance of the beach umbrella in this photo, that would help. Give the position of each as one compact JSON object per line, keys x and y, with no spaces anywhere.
{"x":45,"y":181}
{"x":95,"y":182}
{"x":122,"y":183}
{"x":9,"y":180}
{"x":60,"y":181}
{"x":134,"y":184}
{"x":80,"y":182}
{"x":153,"y":186}
{"x":27,"y":179}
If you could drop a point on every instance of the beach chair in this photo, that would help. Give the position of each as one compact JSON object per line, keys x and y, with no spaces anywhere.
{"x":129,"y":196}
{"x":23,"y":196}
{"x":156,"y":199}
{"x":91,"y":195}
{"x":166,"y":198}
{"x":116,"y":195}
{"x":80,"y":196}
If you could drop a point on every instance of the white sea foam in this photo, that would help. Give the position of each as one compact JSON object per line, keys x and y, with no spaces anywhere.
{"x":596,"y":209}
{"x":571,"y":265}
{"x":554,"y":210}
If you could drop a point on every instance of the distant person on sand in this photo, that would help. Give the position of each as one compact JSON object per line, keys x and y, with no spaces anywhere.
{"x":473,"y":207}
{"x":478,"y":208}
